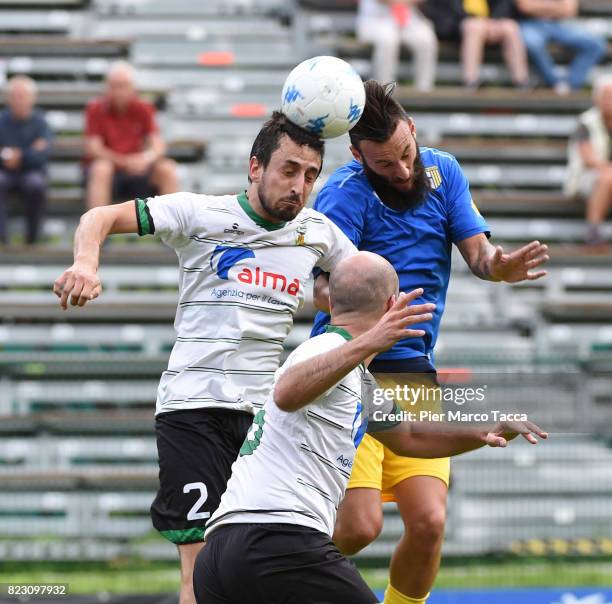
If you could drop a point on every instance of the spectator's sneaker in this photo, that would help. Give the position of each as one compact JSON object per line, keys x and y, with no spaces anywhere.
{"x":562,"y":88}
{"x":594,"y":239}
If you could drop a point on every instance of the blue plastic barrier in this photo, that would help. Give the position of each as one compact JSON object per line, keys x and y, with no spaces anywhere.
{"x":521,"y":596}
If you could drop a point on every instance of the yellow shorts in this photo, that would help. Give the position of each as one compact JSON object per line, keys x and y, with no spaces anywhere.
{"x":377,"y":467}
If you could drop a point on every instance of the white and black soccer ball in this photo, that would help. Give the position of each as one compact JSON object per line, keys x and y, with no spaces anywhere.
{"x":324,"y":95}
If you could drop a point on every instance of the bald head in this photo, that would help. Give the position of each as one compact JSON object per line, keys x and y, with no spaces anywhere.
{"x":120,"y":87}
{"x":362,"y":285}
{"x":21,"y":96}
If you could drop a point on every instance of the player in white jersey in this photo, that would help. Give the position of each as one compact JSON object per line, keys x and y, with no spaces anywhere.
{"x":270,"y":538}
{"x":244,"y":263}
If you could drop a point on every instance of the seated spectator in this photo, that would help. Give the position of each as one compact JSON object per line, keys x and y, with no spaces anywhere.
{"x":389,"y":24}
{"x":590,"y":161}
{"x":478,"y":23}
{"x":25,"y":142}
{"x":541,"y":22}
{"x":124,"y":150}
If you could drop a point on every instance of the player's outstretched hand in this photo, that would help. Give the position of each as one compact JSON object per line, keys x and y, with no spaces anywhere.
{"x":80,"y":283}
{"x":506,"y":431}
{"x":519,"y":265}
{"x":393,"y":326}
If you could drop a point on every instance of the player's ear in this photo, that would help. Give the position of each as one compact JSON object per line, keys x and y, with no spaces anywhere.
{"x":255,"y":169}
{"x":390,"y":303}
{"x":412,"y":127}
{"x":356,"y":153}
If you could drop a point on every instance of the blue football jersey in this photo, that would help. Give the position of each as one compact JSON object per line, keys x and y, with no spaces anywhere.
{"x":417,"y":242}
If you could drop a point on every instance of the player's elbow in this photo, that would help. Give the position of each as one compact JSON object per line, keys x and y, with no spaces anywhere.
{"x":283,"y":397}
{"x":103,"y":215}
{"x":100,"y":222}
{"x":94,"y":215}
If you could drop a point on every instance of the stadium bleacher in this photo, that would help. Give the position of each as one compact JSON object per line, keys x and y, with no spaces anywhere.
{"x":77,"y":389}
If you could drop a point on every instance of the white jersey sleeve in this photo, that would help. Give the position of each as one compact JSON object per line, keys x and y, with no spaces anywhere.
{"x":339,"y":247}
{"x":308,"y":350}
{"x":170,"y":217}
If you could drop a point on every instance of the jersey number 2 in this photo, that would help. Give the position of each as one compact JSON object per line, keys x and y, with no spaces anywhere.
{"x":193,"y":512}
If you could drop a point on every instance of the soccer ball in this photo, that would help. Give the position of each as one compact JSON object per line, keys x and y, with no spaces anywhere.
{"x":324,"y":95}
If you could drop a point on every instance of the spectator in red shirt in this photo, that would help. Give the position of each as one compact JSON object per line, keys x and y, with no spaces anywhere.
{"x":124,"y":150}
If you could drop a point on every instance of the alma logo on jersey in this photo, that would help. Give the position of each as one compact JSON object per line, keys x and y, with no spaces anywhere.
{"x":227,"y":257}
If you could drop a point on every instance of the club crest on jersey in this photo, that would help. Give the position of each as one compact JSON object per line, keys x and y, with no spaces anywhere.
{"x":300,"y":237}
{"x":435,"y":178}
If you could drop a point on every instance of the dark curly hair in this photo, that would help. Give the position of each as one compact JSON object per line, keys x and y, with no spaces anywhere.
{"x":381,"y":114}
{"x":268,"y":139}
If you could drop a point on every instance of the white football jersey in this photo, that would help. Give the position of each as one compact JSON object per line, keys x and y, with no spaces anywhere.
{"x":294,"y":466}
{"x":241,"y":281}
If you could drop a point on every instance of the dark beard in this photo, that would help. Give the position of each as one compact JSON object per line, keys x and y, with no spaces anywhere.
{"x":284,"y":214}
{"x":394,"y":198}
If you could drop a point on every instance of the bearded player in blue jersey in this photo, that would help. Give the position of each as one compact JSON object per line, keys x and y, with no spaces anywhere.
{"x":408,"y":204}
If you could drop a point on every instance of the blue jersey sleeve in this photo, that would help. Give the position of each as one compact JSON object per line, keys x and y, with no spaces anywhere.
{"x":338,"y":205}
{"x":464,"y":218}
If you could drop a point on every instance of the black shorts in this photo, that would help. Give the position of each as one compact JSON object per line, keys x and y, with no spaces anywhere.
{"x":196,"y":451}
{"x":414,"y":370}
{"x":275,"y":564}
{"x":131,"y":186}
{"x":411,"y":365}
{"x":128,"y":186}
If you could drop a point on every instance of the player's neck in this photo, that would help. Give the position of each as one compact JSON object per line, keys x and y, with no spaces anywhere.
{"x":354,"y":325}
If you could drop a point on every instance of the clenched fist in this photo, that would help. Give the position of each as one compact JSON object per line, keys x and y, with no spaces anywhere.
{"x":80,"y":283}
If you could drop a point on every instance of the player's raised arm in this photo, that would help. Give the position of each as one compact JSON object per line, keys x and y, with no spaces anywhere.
{"x":302,"y":383}
{"x":80,"y":282}
{"x":429,"y":440}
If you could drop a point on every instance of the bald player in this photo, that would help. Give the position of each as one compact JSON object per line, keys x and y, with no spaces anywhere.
{"x":270,"y":538}
{"x":125,"y":154}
